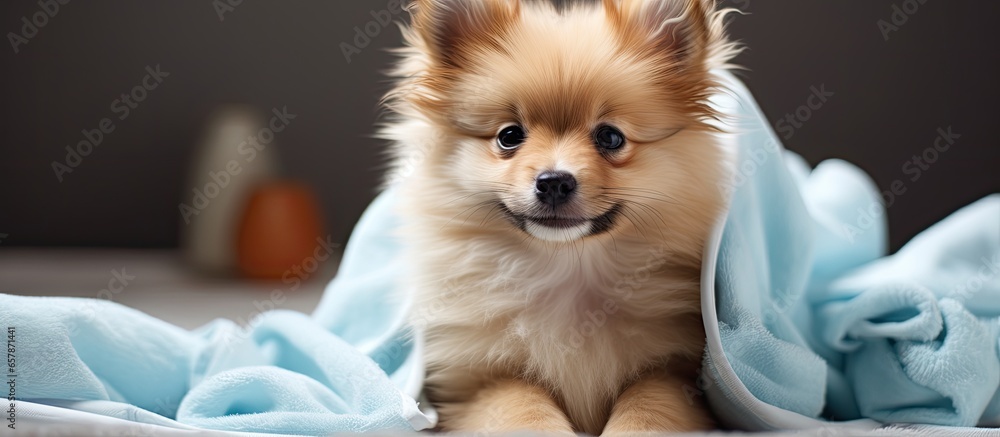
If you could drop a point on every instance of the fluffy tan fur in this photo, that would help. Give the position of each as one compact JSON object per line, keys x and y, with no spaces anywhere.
{"x":598,"y":334}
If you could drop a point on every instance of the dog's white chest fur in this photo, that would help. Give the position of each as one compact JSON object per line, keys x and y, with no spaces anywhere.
{"x":582,"y":321}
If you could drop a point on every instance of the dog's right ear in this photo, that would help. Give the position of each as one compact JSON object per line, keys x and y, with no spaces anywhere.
{"x":446,"y":26}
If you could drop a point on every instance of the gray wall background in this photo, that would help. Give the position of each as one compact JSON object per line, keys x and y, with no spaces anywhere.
{"x":939,"y":69}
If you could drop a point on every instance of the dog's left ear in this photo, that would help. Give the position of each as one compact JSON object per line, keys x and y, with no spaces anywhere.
{"x":445,"y":26}
{"x":685,"y":30}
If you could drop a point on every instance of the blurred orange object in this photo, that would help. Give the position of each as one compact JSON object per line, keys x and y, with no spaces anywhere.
{"x":280,"y":229}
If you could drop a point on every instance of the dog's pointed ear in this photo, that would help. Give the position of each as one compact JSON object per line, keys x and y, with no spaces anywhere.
{"x":682,"y":29}
{"x":445,"y":26}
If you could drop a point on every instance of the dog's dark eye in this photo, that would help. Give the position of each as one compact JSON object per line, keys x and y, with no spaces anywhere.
{"x":511,"y":137}
{"x":609,"y":138}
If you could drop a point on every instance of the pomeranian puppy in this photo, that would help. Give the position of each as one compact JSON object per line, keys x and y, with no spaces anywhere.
{"x":561,"y":179}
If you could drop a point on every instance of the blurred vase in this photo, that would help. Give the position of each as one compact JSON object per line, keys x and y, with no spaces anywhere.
{"x":224,"y":172}
{"x":281,"y":228}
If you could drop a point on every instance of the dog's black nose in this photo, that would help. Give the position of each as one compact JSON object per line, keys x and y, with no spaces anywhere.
{"x":554,"y":187}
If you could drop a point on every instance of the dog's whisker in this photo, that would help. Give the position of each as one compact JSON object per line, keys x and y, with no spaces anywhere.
{"x":481,"y":206}
{"x":489,"y":214}
{"x":494,"y":183}
{"x":475,"y":207}
{"x":635,"y":226}
{"x":653,"y":214}
{"x":640,"y":217}
{"x":639,"y":190}
{"x":632,"y":218}
{"x":472,"y":194}
{"x":662,"y":198}
{"x":652,"y":211}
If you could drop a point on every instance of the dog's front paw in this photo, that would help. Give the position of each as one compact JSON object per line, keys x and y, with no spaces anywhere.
{"x":507,"y":407}
{"x":656,"y":405}
{"x":656,"y":422}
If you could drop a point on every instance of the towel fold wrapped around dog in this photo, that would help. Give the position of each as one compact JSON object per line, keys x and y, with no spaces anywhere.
{"x":813,"y":318}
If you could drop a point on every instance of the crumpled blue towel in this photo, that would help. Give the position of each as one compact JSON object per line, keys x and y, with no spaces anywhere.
{"x":288,"y":374}
{"x":815,"y":319}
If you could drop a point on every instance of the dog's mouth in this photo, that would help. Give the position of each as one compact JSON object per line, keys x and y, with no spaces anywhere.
{"x":554,"y":228}
{"x":558,"y":223}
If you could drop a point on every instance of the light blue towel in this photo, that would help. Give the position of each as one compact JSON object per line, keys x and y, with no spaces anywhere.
{"x":815,"y":319}
{"x":289,"y":374}
{"x":806,"y":318}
